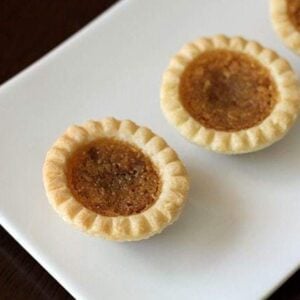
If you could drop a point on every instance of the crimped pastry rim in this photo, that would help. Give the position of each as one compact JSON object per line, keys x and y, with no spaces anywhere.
{"x":255,"y":138}
{"x":121,"y":228}
{"x":283,"y":25}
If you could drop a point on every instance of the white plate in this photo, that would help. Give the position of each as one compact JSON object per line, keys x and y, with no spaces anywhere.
{"x":239,"y":234}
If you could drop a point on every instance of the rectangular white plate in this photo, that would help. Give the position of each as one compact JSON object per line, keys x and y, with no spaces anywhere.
{"x":239,"y":234}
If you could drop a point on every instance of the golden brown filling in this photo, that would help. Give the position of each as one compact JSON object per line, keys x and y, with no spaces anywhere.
{"x":113,"y":178}
{"x":294,"y":12}
{"x":227,"y":90}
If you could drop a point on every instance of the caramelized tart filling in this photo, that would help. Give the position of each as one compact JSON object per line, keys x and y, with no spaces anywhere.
{"x":113,"y":178}
{"x":227,"y":90}
{"x":293,"y":8}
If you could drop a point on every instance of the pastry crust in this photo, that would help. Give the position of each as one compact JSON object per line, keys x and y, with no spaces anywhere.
{"x":270,"y":130}
{"x":283,"y":25}
{"x":139,"y":226}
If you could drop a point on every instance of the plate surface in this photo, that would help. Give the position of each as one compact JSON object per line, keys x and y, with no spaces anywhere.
{"x":239,"y":234}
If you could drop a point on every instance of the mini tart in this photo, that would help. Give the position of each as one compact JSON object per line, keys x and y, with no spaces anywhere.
{"x":230,"y":95}
{"x":285,"y":15}
{"x":115,"y":179}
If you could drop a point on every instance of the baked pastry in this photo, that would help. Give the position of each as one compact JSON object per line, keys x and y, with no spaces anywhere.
{"x":230,"y":95}
{"x":115,"y":179}
{"x":285,"y":15}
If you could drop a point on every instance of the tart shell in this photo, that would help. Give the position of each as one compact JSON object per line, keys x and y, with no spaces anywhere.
{"x":166,"y":209}
{"x":283,"y":25}
{"x":270,"y":130}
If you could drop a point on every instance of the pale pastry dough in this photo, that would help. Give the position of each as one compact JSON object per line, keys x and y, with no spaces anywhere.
{"x":283,"y":24}
{"x":266,"y":132}
{"x":172,"y":173}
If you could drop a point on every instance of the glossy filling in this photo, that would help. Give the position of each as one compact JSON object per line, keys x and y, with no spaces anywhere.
{"x":113,"y":178}
{"x":227,"y":90}
{"x":293,"y":7}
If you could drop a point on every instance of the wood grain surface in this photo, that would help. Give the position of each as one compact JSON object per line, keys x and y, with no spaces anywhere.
{"x":28,"y":30}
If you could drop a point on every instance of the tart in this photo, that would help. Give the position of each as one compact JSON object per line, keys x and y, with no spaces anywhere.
{"x":230,"y":95}
{"x":285,"y":15}
{"x":115,"y":179}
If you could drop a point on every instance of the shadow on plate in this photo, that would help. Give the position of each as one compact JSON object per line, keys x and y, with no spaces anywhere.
{"x":205,"y":231}
{"x":281,"y":159}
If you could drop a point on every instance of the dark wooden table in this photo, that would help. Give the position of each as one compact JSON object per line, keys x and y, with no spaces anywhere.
{"x":28,"y":30}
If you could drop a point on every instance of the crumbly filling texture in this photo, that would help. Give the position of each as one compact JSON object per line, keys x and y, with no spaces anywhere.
{"x":294,"y":12}
{"x":227,"y":90}
{"x":113,"y":178}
